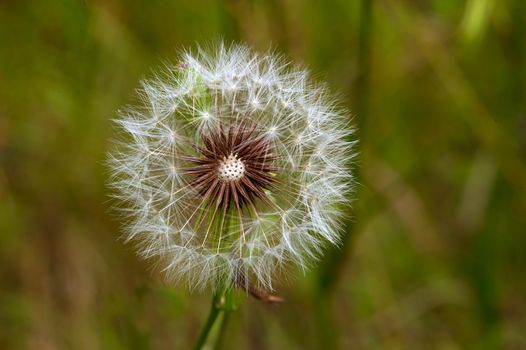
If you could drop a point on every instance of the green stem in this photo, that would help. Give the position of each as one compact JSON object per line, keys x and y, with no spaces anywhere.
{"x":223,"y":300}
{"x":364,"y":65}
{"x":222,"y":305}
{"x":331,"y":270}
{"x":222,"y":331}
{"x":215,"y":310}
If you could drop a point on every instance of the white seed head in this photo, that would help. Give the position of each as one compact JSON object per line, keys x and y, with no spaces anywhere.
{"x":235,"y":164}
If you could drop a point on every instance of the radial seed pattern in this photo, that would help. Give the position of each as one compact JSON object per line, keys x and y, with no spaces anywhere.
{"x":236,"y":165}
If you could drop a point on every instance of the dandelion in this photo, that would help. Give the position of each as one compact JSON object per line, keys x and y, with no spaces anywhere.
{"x":235,"y":166}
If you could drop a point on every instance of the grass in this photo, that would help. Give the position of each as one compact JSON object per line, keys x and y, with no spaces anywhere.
{"x":435,"y":254}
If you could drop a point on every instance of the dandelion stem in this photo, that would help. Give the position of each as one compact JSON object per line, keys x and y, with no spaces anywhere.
{"x":221,"y":306}
{"x":222,"y":300}
{"x":222,"y":331}
{"x":207,"y":328}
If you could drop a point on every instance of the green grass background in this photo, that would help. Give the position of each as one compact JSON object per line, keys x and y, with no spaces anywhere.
{"x":434,"y":257}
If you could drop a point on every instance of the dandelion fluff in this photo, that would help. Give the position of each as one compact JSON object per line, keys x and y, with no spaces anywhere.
{"x":234,"y":165}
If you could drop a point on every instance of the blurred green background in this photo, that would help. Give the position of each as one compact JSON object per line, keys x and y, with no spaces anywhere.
{"x":435,"y":254}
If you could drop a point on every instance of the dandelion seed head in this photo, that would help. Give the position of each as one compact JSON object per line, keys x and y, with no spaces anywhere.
{"x":234,"y":163}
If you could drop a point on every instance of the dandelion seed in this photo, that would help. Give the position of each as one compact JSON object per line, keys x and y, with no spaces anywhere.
{"x":236,"y":166}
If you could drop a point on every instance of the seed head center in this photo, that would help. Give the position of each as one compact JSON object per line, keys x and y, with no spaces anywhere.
{"x":231,"y":169}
